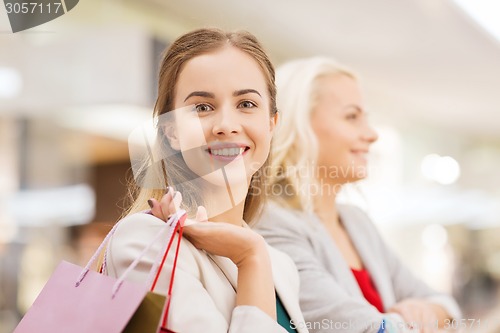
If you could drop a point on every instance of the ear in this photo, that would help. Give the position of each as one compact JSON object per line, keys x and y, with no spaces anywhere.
{"x":274,"y":121}
{"x":170,"y":132}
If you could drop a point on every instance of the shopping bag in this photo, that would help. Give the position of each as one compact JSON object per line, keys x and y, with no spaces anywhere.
{"x":89,"y":307}
{"x":156,"y":306}
{"x":148,"y":314}
{"x":79,"y":300}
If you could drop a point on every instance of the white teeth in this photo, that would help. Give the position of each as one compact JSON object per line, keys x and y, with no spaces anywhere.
{"x":228,"y":152}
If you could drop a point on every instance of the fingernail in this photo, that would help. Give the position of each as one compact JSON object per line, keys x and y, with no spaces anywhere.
{"x":167,"y":189}
{"x":177,"y":199}
{"x":150,"y":203}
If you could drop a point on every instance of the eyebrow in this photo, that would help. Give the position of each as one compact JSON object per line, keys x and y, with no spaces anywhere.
{"x":354,"y":106}
{"x":246,"y":91}
{"x":211,"y":95}
{"x":201,"y":94}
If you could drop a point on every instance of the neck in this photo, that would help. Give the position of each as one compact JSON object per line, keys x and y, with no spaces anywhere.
{"x":233,"y":215}
{"x":324,"y":202}
{"x":226,"y":204}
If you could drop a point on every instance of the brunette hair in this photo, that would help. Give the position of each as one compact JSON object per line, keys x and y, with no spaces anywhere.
{"x":185,"y":48}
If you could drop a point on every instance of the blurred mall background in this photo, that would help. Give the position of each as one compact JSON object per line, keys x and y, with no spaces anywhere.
{"x":73,"y":89}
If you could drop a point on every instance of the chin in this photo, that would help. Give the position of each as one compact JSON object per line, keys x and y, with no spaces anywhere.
{"x":229,"y":175}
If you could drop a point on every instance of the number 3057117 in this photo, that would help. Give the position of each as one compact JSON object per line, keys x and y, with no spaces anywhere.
{"x":32,"y":8}
{"x":463,"y":323}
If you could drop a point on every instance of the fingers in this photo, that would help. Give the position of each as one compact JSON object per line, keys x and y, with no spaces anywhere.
{"x":404,"y":309}
{"x":201,"y":214}
{"x":417,"y":315}
{"x":169,"y":204}
{"x":156,"y":209}
{"x":431,"y":321}
{"x":175,"y":204}
{"x":165,"y":204}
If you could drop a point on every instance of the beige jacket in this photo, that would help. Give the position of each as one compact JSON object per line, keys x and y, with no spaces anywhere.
{"x":204,"y":293}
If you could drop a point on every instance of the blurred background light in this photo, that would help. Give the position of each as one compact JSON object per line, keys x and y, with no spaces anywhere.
{"x":441,"y":169}
{"x":70,"y":205}
{"x":115,"y":121}
{"x":493,"y":264}
{"x":10,"y":82}
{"x":434,"y":237}
{"x":485,"y":13}
{"x":429,"y":165}
{"x":8,"y":229}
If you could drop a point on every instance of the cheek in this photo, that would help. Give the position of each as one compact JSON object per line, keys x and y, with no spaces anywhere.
{"x":258,"y":128}
{"x":328,"y":137}
{"x":334,"y":147}
{"x":262,"y":136}
{"x":192,"y":133}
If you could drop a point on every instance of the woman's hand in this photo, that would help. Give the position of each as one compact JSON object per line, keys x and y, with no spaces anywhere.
{"x":219,"y":238}
{"x":168,"y":205}
{"x":425,"y":316}
{"x":236,"y":243}
{"x":244,"y":247}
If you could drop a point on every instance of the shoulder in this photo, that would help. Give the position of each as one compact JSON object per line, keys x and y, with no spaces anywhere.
{"x":141,"y":229}
{"x":138,"y":222}
{"x":275,"y":217}
{"x":136,"y":232}
{"x":355,"y":217}
{"x":352,"y":212}
{"x":362,"y":229}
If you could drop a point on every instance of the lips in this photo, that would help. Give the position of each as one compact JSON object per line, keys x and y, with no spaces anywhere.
{"x":363,"y":154}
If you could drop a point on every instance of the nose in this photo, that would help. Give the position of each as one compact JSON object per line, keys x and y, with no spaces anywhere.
{"x":226,"y":122}
{"x":370,"y":134}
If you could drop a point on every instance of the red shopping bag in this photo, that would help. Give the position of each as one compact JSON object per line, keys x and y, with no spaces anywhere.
{"x":79,"y":300}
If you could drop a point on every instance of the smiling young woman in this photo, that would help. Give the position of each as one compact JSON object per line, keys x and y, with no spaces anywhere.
{"x":216,"y":116}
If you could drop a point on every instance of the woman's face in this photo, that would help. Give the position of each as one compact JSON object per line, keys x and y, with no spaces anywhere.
{"x":344,"y":135}
{"x":222,"y":116}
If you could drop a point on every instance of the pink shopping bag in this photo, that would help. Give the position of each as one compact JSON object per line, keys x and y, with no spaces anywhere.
{"x":78,"y":300}
{"x":89,"y":307}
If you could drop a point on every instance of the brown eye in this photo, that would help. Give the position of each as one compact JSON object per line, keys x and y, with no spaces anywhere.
{"x":203,"y":108}
{"x":352,"y":116}
{"x":247,"y":104}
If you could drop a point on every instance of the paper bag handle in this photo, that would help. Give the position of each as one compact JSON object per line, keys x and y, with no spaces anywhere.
{"x":166,"y":307}
{"x":170,"y":224}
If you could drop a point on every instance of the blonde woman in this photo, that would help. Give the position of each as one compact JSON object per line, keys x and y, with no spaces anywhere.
{"x":349,"y":280}
{"x":216,"y":110}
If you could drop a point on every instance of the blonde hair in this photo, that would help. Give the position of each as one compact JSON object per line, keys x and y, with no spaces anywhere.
{"x":182,"y":50}
{"x":295,"y":148}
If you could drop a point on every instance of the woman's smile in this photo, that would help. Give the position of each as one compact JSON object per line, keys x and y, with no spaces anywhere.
{"x":227,"y":151}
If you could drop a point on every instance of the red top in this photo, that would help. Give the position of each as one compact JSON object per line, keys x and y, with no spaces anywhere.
{"x":368,"y":288}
